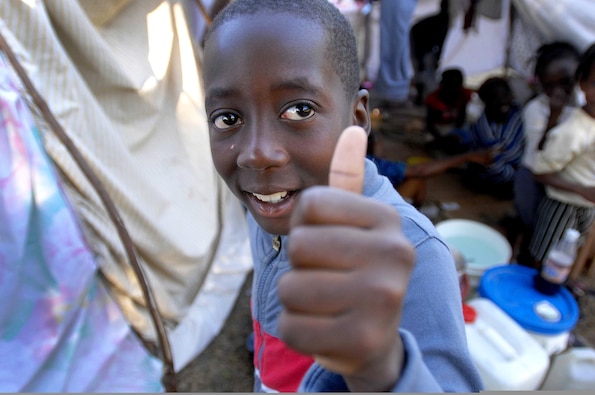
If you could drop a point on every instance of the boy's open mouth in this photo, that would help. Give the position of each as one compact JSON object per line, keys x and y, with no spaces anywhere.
{"x":272,"y":198}
{"x":273,"y":205}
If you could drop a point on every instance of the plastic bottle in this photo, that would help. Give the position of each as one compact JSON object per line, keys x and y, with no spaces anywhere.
{"x":558,"y":263}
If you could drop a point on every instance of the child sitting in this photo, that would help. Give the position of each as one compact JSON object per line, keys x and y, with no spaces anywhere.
{"x":410,"y":178}
{"x":446,"y":107}
{"x":500,"y":127}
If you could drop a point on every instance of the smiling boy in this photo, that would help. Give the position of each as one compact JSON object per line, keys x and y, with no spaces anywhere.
{"x":352,"y":291}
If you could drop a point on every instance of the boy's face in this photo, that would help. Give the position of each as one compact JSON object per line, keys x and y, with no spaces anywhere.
{"x":276,"y":108}
{"x":498,"y":106}
{"x":450,"y":92}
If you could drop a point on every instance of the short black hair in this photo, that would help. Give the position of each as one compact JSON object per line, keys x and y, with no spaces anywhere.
{"x":341,"y":45}
{"x":452,"y":77}
{"x":586,"y":63}
{"x":491,"y":86}
{"x":549,"y":52}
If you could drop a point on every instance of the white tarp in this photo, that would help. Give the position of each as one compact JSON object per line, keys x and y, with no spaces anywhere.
{"x":121,"y":78}
{"x":568,"y":20}
{"x":483,"y":48}
{"x":480,"y":49}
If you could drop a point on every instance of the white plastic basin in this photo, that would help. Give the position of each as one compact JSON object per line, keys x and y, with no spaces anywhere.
{"x":481,"y":245}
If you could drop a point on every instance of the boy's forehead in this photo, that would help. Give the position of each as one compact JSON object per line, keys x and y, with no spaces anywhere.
{"x":269,"y":24}
{"x":265,"y":36}
{"x":268,"y":54}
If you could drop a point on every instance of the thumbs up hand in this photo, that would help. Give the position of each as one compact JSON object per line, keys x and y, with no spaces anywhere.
{"x":348,"y":165}
{"x":350,"y":269}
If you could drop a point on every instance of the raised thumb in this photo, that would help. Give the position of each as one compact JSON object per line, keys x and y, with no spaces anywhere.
{"x":348,"y":163}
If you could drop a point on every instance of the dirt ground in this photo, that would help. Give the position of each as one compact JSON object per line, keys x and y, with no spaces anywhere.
{"x":226,"y":365}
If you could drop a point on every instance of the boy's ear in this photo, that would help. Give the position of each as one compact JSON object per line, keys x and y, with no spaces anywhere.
{"x":361,"y":113}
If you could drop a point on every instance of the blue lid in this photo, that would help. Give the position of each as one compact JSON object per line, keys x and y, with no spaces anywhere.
{"x":511,"y":288}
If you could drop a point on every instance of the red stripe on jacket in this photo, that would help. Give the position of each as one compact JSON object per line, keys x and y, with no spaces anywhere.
{"x":281,"y":368}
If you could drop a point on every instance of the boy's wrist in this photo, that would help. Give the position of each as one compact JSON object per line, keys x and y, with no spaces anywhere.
{"x":381,"y":375}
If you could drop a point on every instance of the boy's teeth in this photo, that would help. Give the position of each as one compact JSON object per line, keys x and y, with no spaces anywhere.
{"x":273,"y":198}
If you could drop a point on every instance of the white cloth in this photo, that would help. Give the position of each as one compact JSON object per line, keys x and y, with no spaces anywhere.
{"x":122,"y":79}
{"x":570,"y":151}
{"x":566,"y":20}
{"x":482,"y":48}
{"x":535,"y":116}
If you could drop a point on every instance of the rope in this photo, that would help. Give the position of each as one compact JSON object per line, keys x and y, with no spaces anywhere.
{"x":204,"y":12}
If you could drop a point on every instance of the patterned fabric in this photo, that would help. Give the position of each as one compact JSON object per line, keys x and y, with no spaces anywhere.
{"x":553,"y":218}
{"x":60,"y":330}
{"x":508,"y":137}
{"x":121,"y":78}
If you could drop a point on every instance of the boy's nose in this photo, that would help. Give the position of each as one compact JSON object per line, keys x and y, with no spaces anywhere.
{"x":262,"y":148}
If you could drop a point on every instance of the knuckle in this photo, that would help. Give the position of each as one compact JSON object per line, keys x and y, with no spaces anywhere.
{"x":298,"y":238}
{"x":286,"y":330}
{"x":388,"y":294}
{"x":310,"y":198}
{"x":286,"y":289}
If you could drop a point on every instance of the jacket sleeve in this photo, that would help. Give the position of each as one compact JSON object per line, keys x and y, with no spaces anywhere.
{"x":415,"y":376}
{"x":432,"y":327}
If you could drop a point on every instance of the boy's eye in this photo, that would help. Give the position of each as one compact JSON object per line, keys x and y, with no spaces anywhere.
{"x":298,"y":112}
{"x":227,"y":120}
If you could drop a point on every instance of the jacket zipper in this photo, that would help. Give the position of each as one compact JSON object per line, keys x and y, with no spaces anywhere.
{"x":261,"y":296}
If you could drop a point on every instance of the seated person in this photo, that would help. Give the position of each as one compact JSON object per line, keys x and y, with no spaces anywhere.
{"x":410,"y":178}
{"x":446,"y":107}
{"x":500,"y":127}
